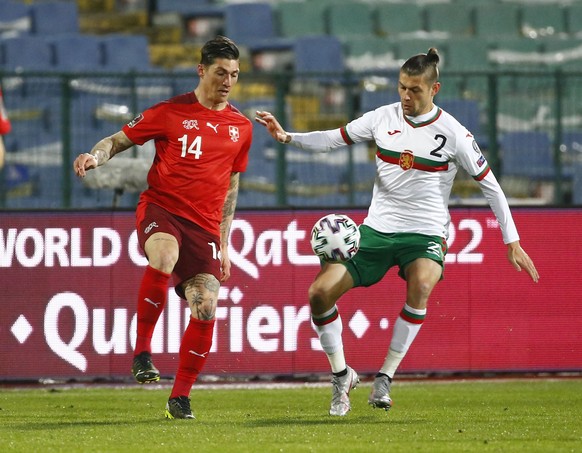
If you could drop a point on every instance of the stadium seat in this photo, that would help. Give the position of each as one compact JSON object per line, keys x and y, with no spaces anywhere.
{"x":311,"y":20}
{"x":574,"y":19}
{"x":371,"y":100}
{"x":54,"y":17}
{"x":528,"y":155}
{"x":348,"y":20}
{"x":565,"y":53}
{"x":498,"y":20}
{"x":515,"y":52}
{"x":27,"y":53}
{"x":571,"y":153}
{"x":315,"y":184}
{"x":392,"y":19}
{"x":184,"y":8}
{"x":364,"y":176}
{"x":577,"y":185}
{"x":370,"y":53}
{"x":35,"y":121}
{"x":466,"y":111}
{"x":258,"y":183}
{"x":318,"y":54}
{"x":77,"y":52}
{"x":467,"y":54}
{"x":410,"y":47}
{"x":184,"y":80}
{"x":372,"y":45}
{"x":572,"y":144}
{"x":14,"y":18}
{"x":451,"y":18}
{"x":253,"y":25}
{"x":521,"y":54}
{"x":542,"y":20}
{"x":122,"y":53}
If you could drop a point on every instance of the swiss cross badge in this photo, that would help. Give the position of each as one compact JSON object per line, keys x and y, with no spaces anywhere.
{"x":233,"y":132}
{"x":406,"y":159}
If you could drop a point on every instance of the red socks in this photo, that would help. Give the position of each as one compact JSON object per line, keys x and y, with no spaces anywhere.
{"x":197,"y":339}
{"x":152,"y":298}
{"x":194,"y":351}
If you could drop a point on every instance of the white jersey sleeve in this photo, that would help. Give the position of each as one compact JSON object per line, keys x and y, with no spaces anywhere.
{"x":360,"y":129}
{"x":473,"y":161}
{"x":319,"y":141}
{"x":498,"y":202}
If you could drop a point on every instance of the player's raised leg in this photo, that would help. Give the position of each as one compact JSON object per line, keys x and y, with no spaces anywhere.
{"x":333,"y":281}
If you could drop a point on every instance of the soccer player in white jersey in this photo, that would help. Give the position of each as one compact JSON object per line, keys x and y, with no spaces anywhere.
{"x":419,"y":148}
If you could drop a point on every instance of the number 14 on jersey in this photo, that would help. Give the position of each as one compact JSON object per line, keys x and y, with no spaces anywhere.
{"x":193,"y":148}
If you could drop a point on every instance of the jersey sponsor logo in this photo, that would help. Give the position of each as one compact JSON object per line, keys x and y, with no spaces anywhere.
{"x":481,"y":161}
{"x":406,"y":160}
{"x":394,"y":132}
{"x":190,"y":124}
{"x":214,"y":128}
{"x":136,"y":120}
{"x":234,"y":133}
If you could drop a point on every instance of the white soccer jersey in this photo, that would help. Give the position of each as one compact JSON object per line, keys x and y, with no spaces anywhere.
{"x":417,"y":160}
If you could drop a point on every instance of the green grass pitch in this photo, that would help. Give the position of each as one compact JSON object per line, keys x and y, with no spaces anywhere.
{"x":428,"y":416}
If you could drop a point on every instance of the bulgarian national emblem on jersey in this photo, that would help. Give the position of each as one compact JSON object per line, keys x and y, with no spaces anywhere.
{"x":233,"y":132}
{"x":406,"y":159}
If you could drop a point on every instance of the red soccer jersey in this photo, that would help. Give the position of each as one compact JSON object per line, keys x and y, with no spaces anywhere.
{"x":196,"y":151}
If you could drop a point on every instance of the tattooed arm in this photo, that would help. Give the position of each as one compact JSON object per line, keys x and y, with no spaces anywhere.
{"x":104,"y":150}
{"x":227,"y":216}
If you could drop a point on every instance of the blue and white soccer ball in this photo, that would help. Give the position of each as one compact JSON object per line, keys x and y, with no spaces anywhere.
{"x":335,"y":238}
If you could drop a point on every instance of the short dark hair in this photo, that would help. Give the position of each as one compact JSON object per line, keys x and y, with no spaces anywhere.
{"x":425,"y":64}
{"x":219,"y":47}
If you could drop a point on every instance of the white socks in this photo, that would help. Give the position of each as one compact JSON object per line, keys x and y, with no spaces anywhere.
{"x":405,"y":330}
{"x":329,"y":328}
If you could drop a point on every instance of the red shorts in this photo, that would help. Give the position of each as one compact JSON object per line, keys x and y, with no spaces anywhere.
{"x":199,"y":249}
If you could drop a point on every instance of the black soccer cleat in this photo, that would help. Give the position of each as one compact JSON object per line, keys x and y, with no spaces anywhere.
{"x":143,"y":369}
{"x":178,"y":407}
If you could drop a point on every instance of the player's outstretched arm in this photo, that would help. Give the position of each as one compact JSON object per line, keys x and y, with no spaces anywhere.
{"x":268,"y":120}
{"x":104,"y":150}
{"x":521,"y":260}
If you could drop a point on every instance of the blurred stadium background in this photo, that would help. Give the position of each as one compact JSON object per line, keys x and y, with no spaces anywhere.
{"x":75,"y":71}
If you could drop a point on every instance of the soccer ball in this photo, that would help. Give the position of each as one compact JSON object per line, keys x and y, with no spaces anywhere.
{"x":335,"y":238}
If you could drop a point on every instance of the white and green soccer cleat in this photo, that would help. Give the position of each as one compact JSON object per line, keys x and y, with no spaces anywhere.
{"x":341,"y":386}
{"x":380,"y":394}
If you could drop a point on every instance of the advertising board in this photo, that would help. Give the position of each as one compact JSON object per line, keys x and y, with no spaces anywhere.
{"x":69,"y":286}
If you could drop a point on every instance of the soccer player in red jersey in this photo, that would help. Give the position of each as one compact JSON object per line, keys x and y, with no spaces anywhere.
{"x":184,"y":216}
{"x":5,"y":127}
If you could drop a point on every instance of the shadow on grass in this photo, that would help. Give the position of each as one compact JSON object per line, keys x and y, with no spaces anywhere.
{"x":73,"y":424}
{"x":379,"y":419}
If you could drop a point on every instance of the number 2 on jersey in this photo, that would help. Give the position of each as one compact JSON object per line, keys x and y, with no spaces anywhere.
{"x":194,"y":147}
{"x":443,"y":139}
